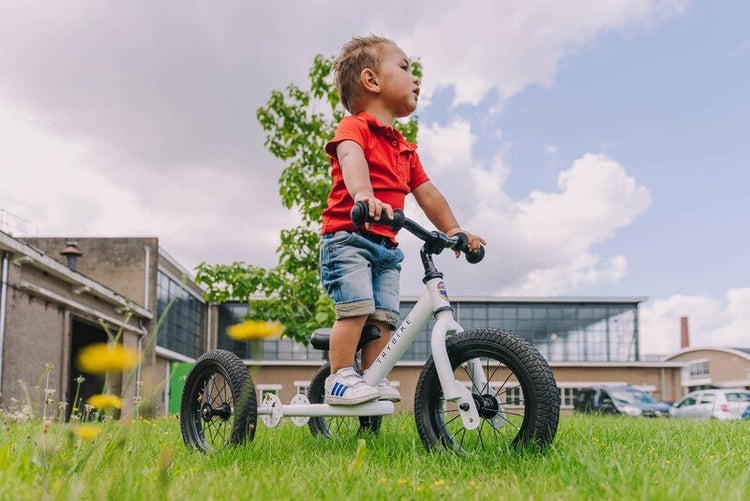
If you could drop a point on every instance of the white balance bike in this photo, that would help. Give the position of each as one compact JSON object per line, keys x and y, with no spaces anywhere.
{"x":481,"y":390}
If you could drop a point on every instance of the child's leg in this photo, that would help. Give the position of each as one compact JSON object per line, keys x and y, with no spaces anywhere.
{"x":343,"y":342}
{"x":345,"y":386}
{"x":371,"y":350}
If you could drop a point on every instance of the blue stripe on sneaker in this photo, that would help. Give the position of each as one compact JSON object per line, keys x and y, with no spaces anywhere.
{"x":338,"y":389}
{"x":343,"y":390}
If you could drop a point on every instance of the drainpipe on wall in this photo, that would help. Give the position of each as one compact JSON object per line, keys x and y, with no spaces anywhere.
{"x":146,"y":290}
{"x":144,"y":331}
{"x":138,"y":370}
{"x":3,"y":302}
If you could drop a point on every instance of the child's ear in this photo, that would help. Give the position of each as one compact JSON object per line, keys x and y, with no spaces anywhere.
{"x":369,"y":81}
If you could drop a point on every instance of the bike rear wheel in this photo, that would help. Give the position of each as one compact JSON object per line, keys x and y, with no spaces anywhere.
{"x":219,"y":406}
{"x":518,"y":406}
{"x":336,"y":426}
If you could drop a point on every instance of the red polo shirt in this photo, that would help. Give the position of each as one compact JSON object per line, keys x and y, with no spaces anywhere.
{"x":395,"y":170}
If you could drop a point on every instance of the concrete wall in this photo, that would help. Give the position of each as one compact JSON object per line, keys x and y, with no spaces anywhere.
{"x":35,"y":335}
{"x":41,"y":308}
{"x":117,"y":263}
{"x":723,"y":366}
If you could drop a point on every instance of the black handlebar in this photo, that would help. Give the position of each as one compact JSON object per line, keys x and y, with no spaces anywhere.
{"x":435,"y":241}
{"x":360,"y":215}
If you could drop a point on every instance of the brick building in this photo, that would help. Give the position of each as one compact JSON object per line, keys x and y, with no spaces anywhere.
{"x":53,"y":304}
{"x":61,"y":294}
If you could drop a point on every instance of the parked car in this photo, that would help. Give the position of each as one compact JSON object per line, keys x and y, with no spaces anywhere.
{"x":627,"y":400}
{"x":718,"y":404}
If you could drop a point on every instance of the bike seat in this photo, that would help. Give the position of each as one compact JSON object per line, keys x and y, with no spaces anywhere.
{"x":320,"y":337}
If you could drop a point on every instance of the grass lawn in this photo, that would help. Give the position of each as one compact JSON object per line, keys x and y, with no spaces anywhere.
{"x":591,"y":458}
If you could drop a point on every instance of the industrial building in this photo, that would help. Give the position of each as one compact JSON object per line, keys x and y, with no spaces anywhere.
{"x":61,"y":294}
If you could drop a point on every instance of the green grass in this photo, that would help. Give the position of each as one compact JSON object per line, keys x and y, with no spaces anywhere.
{"x":591,"y":458}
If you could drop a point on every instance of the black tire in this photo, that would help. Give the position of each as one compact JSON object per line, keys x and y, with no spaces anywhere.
{"x":336,"y":426}
{"x":522,"y":395}
{"x":218,"y":407}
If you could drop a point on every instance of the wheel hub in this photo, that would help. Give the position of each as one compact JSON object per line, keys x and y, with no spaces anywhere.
{"x":208,"y":412}
{"x":487,"y":405}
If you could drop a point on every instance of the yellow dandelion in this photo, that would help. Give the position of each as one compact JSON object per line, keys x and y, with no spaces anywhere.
{"x":401,"y":481}
{"x":254,"y":329}
{"x":86,"y":432}
{"x":105,"y":401}
{"x":101,"y":357}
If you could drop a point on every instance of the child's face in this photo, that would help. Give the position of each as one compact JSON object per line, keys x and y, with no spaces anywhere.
{"x":399,"y":89}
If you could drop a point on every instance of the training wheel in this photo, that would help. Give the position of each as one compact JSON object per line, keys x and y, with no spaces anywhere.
{"x":300,"y":399}
{"x":272,"y":402}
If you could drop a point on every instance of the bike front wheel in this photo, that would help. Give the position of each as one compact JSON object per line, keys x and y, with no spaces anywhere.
{"x":512,"y":387}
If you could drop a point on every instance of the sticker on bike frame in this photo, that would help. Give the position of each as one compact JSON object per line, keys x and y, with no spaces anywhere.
{"x":442,"y":291}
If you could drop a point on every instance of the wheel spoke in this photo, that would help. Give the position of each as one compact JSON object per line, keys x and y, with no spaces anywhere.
{"x":479,"y":434}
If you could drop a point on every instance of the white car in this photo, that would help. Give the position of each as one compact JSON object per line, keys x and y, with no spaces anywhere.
{"x":719,"y":404}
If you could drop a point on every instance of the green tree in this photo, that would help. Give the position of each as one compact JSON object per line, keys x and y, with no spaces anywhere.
{"x":297,"y":124}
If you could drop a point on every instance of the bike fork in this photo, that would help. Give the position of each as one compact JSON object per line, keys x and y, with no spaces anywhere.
{"x":452,"y":389}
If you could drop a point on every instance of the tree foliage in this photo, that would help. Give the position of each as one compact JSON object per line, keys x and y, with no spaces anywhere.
{"x":297,"y":124}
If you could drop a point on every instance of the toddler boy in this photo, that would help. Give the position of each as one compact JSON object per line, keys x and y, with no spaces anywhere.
{"x":373,"y":163}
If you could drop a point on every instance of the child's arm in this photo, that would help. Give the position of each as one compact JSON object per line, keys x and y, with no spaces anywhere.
{"x":357,"y":178}
{"x":438,"y":211}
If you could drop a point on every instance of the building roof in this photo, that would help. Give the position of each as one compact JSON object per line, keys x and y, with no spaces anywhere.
{"x":26,"y":253}
{"x":740,"y":352}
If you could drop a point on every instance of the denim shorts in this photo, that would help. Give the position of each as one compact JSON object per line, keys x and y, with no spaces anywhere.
{"x":361,"y":276}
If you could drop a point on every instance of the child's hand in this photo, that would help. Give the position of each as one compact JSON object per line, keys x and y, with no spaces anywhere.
{"x":474,"y":241}
{"x":375,"y":206}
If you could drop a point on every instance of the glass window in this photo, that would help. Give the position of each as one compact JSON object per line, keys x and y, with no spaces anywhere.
{"x":699,"y":369}
{"x":708,"y":398}
{"x":561,"y":332}
{"x":738,"y":397}
{"x":268,"y":349}
{"x":514,"y":397}
{"x":567,"y":395}
{"x":687,"y":402}
{"x":182,"y":328}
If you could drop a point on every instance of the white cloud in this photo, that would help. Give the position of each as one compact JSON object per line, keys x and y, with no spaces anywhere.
{"x":142,"y":119}
{"x":509,"y":45}
{"x":541,"y":245}
{"x":711,"y":322}
{"x":60,"y":191}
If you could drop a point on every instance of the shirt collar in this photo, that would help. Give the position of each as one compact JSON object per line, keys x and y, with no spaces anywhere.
{"x":374,"y":122}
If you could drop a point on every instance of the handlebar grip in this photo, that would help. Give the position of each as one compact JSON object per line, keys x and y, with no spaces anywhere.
{"x":472,"y":257}
{"x":360,"y":215}
{"x":475,"y":256}
{"x":463,"y":241}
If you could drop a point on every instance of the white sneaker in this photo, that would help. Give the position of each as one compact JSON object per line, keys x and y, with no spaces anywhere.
{"x":388,"y":392}
{"x":346,"y":387}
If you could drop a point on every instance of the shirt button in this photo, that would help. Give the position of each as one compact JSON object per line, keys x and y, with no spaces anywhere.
{"x":394,"y":143}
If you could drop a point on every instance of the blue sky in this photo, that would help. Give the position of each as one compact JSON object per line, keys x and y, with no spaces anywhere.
{"x":600,"y":147}
{"x":672,"y":105}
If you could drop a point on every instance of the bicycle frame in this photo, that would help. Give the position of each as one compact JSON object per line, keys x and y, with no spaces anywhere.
{"x":434,"y":301}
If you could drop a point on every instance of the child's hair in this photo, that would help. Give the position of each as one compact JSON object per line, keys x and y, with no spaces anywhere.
{"x":355,"y":56}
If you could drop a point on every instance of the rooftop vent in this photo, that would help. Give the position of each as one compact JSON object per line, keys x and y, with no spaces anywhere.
{"x":71,"y":252}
